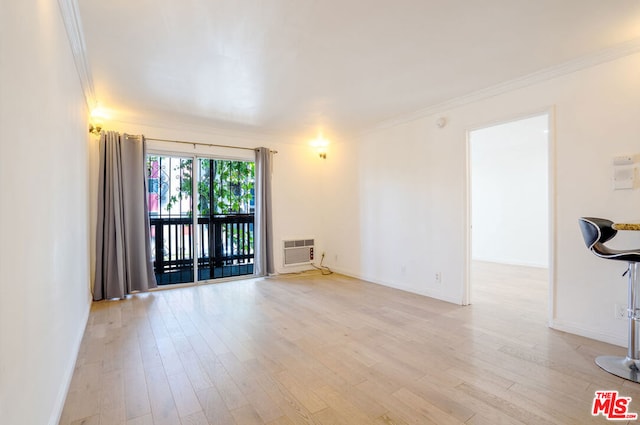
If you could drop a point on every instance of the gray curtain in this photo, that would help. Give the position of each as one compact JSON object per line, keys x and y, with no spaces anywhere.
{"x":263,"y":261}
{"x":123,"y":247}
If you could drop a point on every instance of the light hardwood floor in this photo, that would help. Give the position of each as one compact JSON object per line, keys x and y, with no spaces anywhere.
{"x":335,"y":350}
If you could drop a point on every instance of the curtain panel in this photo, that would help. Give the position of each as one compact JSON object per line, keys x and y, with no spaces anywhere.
{"x":123,"y":247}
{"x":263,"y":260}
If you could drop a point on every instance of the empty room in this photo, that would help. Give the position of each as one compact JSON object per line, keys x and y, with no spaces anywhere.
{"x":319,"y":212}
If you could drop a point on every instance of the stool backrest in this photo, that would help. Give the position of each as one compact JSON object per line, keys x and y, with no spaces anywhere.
{"x":596,"y":231}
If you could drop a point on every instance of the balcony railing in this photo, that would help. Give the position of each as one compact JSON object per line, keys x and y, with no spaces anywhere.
{"x":225,"y":247}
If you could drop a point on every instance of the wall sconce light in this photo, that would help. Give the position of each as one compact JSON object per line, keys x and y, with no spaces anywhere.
{"x":95,"y":128}
{"x":320,"y":144}
{"x":96,"y":120}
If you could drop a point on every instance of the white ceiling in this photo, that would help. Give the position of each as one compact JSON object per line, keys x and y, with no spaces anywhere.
{"x":292,"y":67}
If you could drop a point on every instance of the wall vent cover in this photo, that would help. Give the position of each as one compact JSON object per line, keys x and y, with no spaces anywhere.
{"x":298,"y":251}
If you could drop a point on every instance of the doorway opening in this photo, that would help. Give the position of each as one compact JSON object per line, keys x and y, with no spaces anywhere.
{"x":509,"y":198}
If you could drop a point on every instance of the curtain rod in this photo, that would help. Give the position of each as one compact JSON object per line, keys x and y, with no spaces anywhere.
{"x":201,"y":144}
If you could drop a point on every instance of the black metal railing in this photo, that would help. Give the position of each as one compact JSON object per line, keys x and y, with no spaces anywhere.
{"x":225,"y":247}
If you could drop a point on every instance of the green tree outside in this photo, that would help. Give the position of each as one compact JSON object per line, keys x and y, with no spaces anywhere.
{"x":224,"y":187}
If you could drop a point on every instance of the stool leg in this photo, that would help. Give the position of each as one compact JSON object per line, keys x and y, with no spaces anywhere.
{"x":628,"y":367}
{"x":634,"y":312}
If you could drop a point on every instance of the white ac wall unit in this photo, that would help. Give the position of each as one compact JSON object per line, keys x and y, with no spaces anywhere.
{"x":298,"y":251}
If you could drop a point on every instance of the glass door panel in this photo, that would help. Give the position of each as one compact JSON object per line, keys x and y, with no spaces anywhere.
{"x":169,"y":187}
{"x":225,"y":218}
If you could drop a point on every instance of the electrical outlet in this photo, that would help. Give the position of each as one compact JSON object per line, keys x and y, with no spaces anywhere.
{"x":620,"y":311}
{"x":438,"y":277}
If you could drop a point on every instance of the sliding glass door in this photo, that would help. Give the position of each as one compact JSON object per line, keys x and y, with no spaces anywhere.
{"x":219,"y":235}
{"x":225,"y":218}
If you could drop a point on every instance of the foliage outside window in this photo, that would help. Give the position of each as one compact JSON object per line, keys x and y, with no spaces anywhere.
{"x":224,"y":187}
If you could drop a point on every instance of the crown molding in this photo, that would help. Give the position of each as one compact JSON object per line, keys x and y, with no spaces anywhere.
{"x":73,"y":24}
{"x":172,"y":123}
{"x":615,"y":52}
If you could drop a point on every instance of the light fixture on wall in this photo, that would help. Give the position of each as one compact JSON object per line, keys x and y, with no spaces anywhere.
{"x":96,"y":120}
{"x":320,"y":144}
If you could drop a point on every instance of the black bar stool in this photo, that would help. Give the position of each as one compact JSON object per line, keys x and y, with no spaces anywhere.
{"x":597,"y":231}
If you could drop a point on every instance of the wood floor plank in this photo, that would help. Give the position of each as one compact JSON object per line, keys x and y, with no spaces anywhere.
{"x":112,"y":402}
{"x":81,"y":405}
{"x":85,"y":405}
{"x":312,"y":349}
{"x":557,"y":405}
{"x":183,"y":395}
{"x":388,"y":419}
{"x":362,"y":401}
{"x":523,"y":414}
{"x":227,"y":387}
{"x":301,"y":392}
{"x":169,"y":355}
{"x":136,"y":393}
{"x":282,"y":420}
{"x":246,"y":415}
{"x":214,"y":407}
{"x":93,"y":420}
{"x":424,"y":410}
{"x":163,"y":407}
{"x":292,"y":408}
{"x":441,"y":394}
{"x":142,"y":420}
{"x":194,"y":370}
{"x":460,"y":404}
{"x":246,"y":380}
{"x":151,"y":358}
{"x":197,"y":418}
{"x":328,"y":416}
{"x":343,"y":407}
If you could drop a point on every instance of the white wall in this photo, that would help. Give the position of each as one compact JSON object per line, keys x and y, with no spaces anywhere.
{"x":341,"y":205}
{"x":390,"y":218}
{"x":297,"y":204}
{"x":411,"y":205}
{"x":44,"y":213}
{"x":509,"y":192}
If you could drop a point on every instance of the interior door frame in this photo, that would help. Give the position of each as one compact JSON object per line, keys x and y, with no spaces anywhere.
{"x":551,"y":157}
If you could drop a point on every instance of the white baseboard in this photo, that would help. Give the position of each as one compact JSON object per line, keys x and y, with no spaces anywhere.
{"x":69,"y":369}
{"x":576,"y":329}
{"x":371,"y":279}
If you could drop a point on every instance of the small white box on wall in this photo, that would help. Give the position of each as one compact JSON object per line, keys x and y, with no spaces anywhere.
{"x":624,"y":172}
